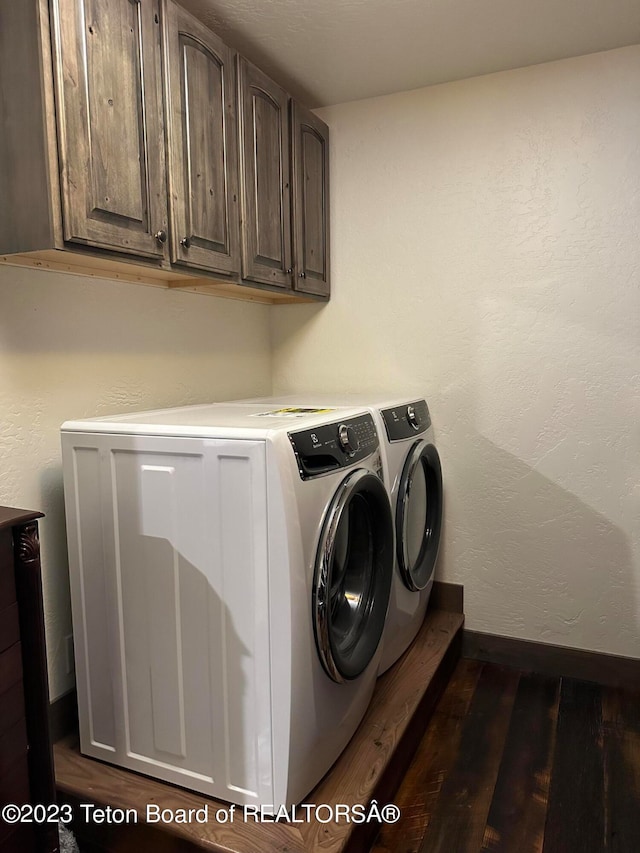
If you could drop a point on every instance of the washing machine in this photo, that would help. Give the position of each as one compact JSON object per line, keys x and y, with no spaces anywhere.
{"x":413,"y":474}
{"x":230,"y":571}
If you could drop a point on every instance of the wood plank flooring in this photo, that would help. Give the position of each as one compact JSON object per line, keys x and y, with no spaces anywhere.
{"x":521,"y":763}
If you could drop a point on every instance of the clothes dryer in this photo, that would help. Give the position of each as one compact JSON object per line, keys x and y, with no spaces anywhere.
{"x":230,"y":574}
{"x":413,"y":474}
{"x":414,"y":479}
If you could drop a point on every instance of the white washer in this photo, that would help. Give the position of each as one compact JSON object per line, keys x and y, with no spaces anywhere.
{"x":230,"y":574}
{"x":413,"y":475}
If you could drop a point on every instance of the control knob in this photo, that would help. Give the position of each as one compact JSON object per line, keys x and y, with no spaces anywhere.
{"x":412,"y":417}
{"x":348,"y":439}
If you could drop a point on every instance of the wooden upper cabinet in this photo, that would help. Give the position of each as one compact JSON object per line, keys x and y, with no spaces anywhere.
{"x":150,"y":152}
{"x":203,"y":162}
{"x":265,"y":178}
{"x":310,"y":159}
{"x":109,"y":110}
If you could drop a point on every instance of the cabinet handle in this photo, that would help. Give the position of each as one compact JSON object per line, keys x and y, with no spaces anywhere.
{"x":161,"y":236}
{"x":289,"y":271}
{"x":185,"y":242}
{"x":302,"y":274}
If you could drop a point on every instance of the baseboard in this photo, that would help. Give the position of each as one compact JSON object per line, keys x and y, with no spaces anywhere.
{"x":63,"y":715}
{"x":447,"y":596}
{"x":543,"y":658}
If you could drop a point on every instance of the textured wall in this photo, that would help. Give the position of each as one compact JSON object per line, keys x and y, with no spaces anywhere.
{"x":486,"y":252}
{"x":72,"y":347}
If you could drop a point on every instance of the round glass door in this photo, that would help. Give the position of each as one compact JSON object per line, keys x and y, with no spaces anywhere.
{"x":353,"y":572}
{"x":419,"y":515}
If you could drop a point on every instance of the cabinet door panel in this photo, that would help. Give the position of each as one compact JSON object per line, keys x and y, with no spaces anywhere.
{"x":310,"y":151}
{"x":110,"y":126}
{"x":202,"y":146}
{"x":265,"y":176}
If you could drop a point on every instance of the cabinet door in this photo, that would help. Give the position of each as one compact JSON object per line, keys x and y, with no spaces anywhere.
{"x":110,"y":124}
{"x":310,"y":156}
{"x":203,"y":162}
{"x":265,"y":176}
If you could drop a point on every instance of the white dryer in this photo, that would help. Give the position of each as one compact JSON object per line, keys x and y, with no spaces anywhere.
{"x":230,"y":574}
{"x":413,"y":475}
{"x":414,"y":478}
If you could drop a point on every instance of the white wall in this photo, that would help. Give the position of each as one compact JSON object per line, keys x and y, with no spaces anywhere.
{"x":73,"y":347}
{"x":486,"y":253}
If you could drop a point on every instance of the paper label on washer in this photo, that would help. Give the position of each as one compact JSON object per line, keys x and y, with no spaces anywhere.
{"x":292,"y":412}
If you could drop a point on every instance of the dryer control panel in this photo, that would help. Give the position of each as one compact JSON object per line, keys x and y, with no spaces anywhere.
{"x":402,"y":422}
{"x":329,"y":447}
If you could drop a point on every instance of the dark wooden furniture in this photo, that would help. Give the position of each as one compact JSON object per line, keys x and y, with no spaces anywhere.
{"x":26,"y":762}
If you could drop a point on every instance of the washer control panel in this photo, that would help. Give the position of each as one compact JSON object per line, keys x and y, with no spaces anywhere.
{"x":330,"y":447}
{"x":402,"y":422}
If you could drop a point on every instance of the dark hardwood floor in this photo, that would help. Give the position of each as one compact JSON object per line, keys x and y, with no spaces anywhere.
{"x":522,"y":763}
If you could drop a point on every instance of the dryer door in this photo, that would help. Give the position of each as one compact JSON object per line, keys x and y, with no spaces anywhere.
{"x":353,"y":572}
{"x":419,"y":515}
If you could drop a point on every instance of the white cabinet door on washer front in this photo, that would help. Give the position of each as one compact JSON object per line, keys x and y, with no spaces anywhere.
{"x":168,"y":565}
